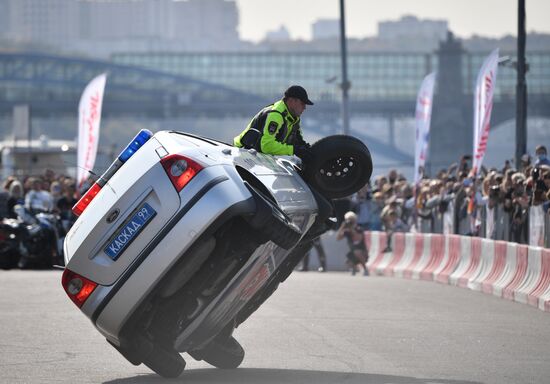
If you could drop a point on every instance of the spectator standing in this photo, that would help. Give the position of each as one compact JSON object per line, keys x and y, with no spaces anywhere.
{"x":362,"y":203}
{"x":393,"y":224}
{"x":541,"y":155}
{"x":36,"y":200}
{"x":15,"y":198}
{"x":376,"y":211}
{"x":4,"y":196}
{"x":320,"y":254}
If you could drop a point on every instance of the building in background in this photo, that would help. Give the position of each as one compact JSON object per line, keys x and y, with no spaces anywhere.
{"x":99,"y":28}
{"x":325,"y":29}
{"x":280,"y":34}
{"x":409,"y":26}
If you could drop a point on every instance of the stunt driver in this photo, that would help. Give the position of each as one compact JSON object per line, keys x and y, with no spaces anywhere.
{"x":275,"y":130}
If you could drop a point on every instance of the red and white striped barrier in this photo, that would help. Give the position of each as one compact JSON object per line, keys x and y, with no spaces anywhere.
{"x":486,"y":263}
{"x":540,"y":295}
{"x":436,"y":257}
{"x":512,"y":271}
{"x":520,"y":271}
{"x":376,"y":242}
{"x":470,"y":252}
{"x":450,"y":261}
{"x":397,"y":266}
{"x":532,"y":275}
{"x":498,"y":270}
{"x":399,"y":245}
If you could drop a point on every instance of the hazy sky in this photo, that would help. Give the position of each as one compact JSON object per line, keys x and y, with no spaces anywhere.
{"x":492,"y":18}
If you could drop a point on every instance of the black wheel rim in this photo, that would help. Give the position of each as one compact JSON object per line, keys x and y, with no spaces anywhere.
{"x":339,"y":173}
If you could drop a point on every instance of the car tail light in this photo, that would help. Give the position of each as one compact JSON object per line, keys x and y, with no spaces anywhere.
{"x":78,"y":288}
{"x":137,"y":142}
{"x":180,"y":169}
{"x":86,"y":199}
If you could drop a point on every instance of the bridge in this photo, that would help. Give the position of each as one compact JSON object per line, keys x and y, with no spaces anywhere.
{"x":51,"y":85}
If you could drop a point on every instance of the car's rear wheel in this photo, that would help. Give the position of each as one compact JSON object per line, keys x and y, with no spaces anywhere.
{"x":341,"y":166}
{"x":224,"y":353}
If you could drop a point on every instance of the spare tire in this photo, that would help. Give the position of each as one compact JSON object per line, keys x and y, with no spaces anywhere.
{"x":341,"y":165}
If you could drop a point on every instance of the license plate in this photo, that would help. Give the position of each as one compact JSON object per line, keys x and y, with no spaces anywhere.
{"x":129,"y":231}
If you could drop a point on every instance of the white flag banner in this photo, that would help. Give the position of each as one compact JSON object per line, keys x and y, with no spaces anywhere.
{"x":424,"y":102}
{"x":89,"y":117}
{"x":483,"y":105}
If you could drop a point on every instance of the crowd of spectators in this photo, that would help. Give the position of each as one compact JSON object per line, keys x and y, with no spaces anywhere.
{"x":44,"y":193}
{"x":495,"y":203}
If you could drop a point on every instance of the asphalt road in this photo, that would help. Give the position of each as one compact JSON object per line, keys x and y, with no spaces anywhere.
{"x":317,"y":328}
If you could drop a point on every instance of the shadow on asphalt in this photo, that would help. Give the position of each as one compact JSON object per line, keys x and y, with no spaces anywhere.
{"x":276,"y":376}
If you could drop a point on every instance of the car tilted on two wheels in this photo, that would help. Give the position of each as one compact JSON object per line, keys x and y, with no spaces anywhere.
{"x":184,"y":237}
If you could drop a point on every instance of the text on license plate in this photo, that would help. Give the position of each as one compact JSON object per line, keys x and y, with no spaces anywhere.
{"x":129,"y":231}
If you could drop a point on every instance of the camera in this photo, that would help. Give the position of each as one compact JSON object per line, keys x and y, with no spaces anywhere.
{"x":536,"y":173}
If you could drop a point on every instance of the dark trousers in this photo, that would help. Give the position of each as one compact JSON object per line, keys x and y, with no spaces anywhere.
{"x":320,"y":254}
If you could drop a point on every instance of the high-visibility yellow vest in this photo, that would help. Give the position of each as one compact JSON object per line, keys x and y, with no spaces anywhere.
{"x":273,"y":130}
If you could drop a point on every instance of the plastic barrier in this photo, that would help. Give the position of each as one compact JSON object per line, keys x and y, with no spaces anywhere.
{"x":540,"y":295}
{"x":376,"y":242}
{"x":398,"y":252}
{"x":487,"y":261}
{"x":450,"y":261}
{"x":520,"y":271}
{"x":498,"y":269}
{"x":468,"y":263}
{"x":425,"y":256}
{"x":408,"y":255}
{"x":437,"y":255}
{"x":532,"y":275}
{"x":417,"y":255}
{"x":509,"y":270}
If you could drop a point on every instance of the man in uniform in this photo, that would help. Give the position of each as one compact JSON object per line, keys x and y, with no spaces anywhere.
{"x":276,"y":129}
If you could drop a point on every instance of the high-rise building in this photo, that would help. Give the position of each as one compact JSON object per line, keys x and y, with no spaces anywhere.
{"x":409,"y":26}
{"x":53,"y":22}
{"x":107,"y":26}
{"x":325,"y":29}
{"x":280,"y":34}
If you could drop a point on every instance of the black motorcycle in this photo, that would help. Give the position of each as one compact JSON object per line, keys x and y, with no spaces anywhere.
{"x":32,"y":241}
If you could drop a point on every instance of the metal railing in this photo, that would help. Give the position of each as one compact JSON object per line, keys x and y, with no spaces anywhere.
{"x":525,"y":226}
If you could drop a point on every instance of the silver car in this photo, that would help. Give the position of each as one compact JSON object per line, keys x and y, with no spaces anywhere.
{"x":183,"y":238}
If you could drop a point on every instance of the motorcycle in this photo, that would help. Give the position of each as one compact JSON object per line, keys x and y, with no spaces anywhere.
{"x":31,"y":241}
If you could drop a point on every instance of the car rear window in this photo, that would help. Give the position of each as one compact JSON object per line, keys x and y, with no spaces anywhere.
{"x":197,"y":139}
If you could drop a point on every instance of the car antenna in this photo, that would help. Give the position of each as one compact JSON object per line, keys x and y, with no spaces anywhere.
{"x":90,"y":172}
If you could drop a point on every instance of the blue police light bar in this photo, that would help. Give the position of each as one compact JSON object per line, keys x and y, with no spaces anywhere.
{"x":136,"y":143}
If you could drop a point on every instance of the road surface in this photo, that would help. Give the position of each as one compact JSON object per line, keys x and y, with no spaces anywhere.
{"x":317,"y":328}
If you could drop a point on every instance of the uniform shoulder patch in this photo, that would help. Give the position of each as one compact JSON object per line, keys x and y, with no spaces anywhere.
{"x":272,"y":127}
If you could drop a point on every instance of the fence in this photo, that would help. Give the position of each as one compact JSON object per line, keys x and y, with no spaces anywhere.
{"x":525,"y":226}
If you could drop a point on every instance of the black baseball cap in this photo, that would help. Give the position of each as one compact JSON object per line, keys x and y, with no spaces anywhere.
{"x":298,"y":92}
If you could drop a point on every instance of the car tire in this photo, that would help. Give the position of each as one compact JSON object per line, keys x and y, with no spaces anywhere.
{"x":340,"y":166}
{"x":167,"y":364}
{"x":272,"y":222}
{"x":224,"y":353}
